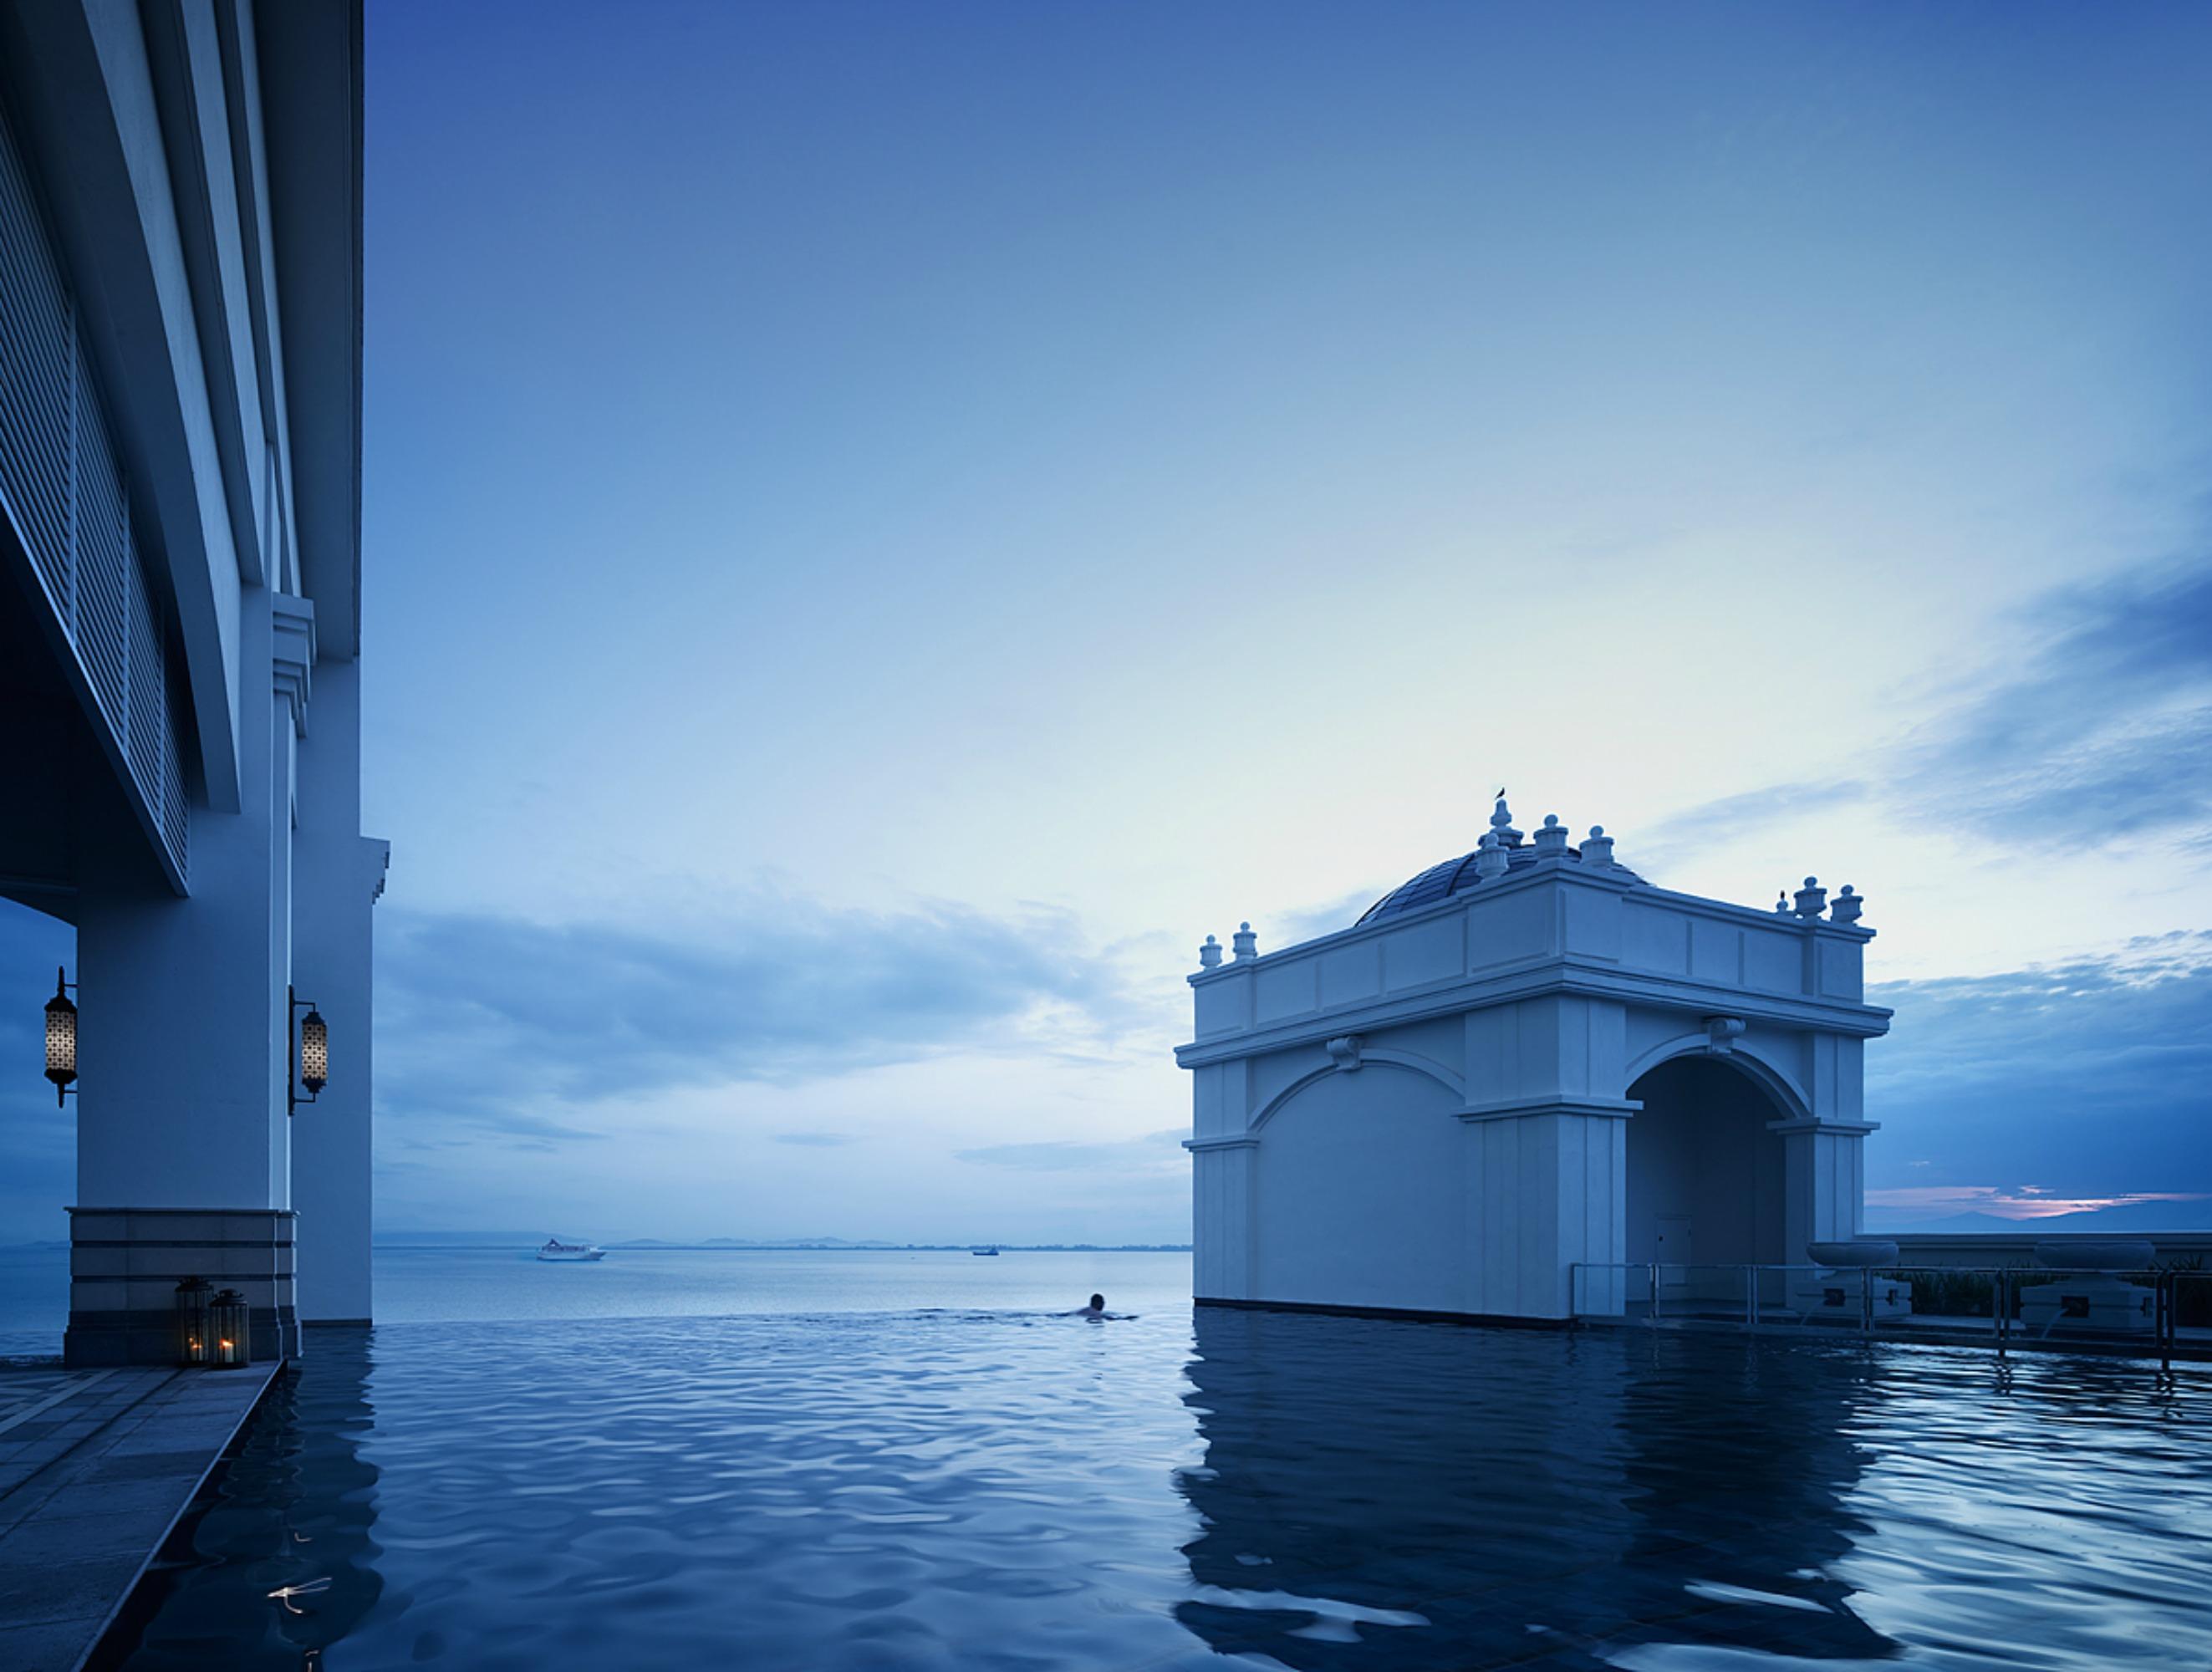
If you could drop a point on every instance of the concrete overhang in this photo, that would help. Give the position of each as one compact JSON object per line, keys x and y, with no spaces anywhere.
{"x":310,"y":54}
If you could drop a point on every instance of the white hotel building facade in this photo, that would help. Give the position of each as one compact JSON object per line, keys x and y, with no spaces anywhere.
{"x":180,"y":320}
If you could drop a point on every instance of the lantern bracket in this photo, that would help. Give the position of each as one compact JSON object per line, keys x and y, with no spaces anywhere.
{"x":294,"y":1097}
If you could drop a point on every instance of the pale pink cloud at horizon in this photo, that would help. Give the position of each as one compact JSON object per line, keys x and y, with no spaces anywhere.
{"x":2017,"y":1201}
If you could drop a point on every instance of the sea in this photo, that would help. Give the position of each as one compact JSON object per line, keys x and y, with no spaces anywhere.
{"x":884,"y":1461}
{"x":432,"y":1284}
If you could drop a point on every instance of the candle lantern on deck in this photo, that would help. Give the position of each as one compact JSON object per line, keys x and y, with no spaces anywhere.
{"x":61,"y":1037}
{"x":193,"y":1298}
{"x":228,"y":1324}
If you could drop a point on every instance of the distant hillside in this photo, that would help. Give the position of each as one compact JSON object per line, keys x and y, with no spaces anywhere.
{"x":843,"y":1245}
{"x":813,"y":1245}
{"x":530,"y":1239}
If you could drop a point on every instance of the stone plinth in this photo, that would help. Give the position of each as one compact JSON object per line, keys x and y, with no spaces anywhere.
{"x":126,"y":1264}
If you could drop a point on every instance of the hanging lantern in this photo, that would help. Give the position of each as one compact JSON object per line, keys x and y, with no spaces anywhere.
{"x":310,"y":1069}
{"x":230,"y":1345}
{"x":314,"y":1053}
{"x":193,"y":1321}
{"x":61,"y":1037}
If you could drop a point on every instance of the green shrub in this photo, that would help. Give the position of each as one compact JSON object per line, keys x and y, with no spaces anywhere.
{"x":1946,"y":1294}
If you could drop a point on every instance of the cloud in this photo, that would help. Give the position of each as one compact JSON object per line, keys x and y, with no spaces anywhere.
{"x":1291,"y":928}
{"x":2098,"y":712}
{"x":1147,"y":1153}
{"x":1753,"y":809}
{"x":2107,"y":714}
{"x":492,"y":1021}
{"x":37,"y":1138}
{"x":815,"y":1140}
{"x":2017,"y":1201}
{"x":2097,"y":1071}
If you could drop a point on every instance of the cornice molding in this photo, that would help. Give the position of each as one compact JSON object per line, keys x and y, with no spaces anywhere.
{"x":1514,"y":1108}
{"x":292,"y":653}
{"x":1544,"y":978}
{"x":1555,"y":872}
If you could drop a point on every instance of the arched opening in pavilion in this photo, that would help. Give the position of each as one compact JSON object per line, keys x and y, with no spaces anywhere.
{"x":1705,"y":1184}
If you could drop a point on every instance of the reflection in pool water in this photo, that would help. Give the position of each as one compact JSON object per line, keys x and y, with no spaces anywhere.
{"x":1525,"y":1493}
{"x":277,"y":1559}
{"x":988,"y":1489}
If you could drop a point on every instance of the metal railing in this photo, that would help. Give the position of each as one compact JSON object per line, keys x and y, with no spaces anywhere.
{"x":2161,"y":1312}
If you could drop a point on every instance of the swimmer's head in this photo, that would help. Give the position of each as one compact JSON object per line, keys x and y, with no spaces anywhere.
{"x":1098,"y":1303}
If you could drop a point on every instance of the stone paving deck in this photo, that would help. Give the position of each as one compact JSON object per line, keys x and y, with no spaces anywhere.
{"x":95,"y":1467}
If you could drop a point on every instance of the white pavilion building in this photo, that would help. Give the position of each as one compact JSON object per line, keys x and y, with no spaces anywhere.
{"x":1526,"y":1060}
{"x":180,"y":339}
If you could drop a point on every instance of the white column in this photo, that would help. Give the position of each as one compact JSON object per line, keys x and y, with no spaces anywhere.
{"x":1221,"y":1217}
{"x":338,"y":874}
{"x":1547,"y":1189}
{"x":184,"y":1161}
{"x":1824,"y":1181}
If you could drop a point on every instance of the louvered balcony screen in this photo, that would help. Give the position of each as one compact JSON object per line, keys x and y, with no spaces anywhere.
{"x":63,"y":490}
{"x":38,"y":378}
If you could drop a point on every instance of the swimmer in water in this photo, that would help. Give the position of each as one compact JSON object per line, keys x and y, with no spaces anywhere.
{"x":1096,"y":1310}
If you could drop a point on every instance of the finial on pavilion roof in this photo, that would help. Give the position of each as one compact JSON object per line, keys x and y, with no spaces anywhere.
{"x":1501,"y":823}
{"x":1490,"y":856}
{"x":1551,"y":839}
{"x":1782,"y":903}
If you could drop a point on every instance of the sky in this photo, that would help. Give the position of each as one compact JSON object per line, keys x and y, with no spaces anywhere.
{"x":885,"y":525}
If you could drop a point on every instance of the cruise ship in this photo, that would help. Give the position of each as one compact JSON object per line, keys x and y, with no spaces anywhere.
{"x":555,"y":1249}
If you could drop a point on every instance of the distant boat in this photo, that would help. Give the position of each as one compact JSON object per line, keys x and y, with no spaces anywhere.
{"x":555,"y":1249}
{"x":993,"y":1252}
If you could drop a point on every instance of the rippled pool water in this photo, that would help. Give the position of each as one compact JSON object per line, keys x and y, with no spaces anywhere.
{"x":980,"y":1489}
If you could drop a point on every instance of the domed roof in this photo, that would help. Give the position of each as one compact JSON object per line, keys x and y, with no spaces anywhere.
{"x":1441,"y":882}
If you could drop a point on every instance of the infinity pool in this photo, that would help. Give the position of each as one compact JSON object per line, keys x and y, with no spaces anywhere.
{"x":1017,"y":1490}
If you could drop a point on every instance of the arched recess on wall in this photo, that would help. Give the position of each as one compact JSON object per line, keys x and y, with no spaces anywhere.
{"x":1776,"y":1082}
{"x":1368,"y":1058}
{"x":1358,"y":1187}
